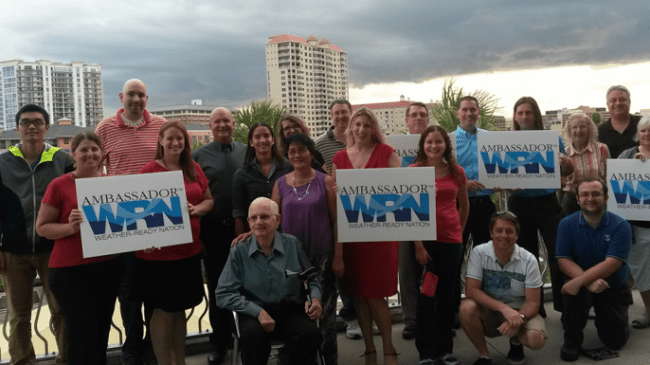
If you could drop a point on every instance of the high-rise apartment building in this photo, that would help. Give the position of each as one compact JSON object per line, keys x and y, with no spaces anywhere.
{"x":305,"y":76}
{"x":70,"y":90}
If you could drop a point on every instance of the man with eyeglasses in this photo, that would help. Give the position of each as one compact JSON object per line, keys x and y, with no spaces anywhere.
{"x":27,"y":169}
{"x":592,"y":249}
{"x":417,"y":121}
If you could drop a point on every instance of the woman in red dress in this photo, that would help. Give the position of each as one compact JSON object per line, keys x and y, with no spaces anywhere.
{"x":369,"y":269}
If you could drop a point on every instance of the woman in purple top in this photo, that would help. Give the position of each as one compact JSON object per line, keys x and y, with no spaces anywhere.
{"x":308,"y":206}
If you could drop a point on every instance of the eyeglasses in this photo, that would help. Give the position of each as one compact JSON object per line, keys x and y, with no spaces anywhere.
{"x":595,"y":194}
{"x":294,"y":128}
{"x":27,"y":122}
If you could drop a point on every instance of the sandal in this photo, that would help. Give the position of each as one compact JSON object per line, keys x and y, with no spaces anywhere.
{"x":370,"y":356}
{"x":641,"y":323}
{"x":394,"y":353}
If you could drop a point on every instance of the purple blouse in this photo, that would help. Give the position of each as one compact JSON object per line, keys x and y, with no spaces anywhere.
{"x":305,"y":215}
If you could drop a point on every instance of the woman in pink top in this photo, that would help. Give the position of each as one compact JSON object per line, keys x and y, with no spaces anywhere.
{"x":168,"y":279}
{"x":84,"y":288}
{"x":435,"y":316}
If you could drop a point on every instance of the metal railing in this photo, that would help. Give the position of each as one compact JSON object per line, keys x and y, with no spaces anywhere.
{"x":43,"y":335}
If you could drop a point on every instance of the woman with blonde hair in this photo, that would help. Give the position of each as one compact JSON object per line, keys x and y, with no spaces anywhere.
{"x":589,"y":157}
{"x":369,"y":269}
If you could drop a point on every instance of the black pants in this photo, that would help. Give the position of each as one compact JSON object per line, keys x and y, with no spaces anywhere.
{"x":544,"y":214}
{"x":478,"y":225}
{"x":435,"y":316}
{"x":300,"y":334}
{"x":610,"y":306}
{"x":86,"y":295}
{"x":216,"y":238}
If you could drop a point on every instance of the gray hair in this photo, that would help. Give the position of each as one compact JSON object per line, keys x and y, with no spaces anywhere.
{"x":617,"y":87}
{"x":592,"y":133}
{"x":644,"y":122}
{"x":273,"y":205}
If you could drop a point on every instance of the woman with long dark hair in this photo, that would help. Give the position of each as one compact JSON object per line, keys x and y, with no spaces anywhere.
{"x":177,"y":267}
{"x":435,"y":316}
{"x":262,"y":167}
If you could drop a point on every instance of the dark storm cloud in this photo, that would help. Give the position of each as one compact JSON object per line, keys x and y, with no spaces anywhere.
{"x":199,"y":50}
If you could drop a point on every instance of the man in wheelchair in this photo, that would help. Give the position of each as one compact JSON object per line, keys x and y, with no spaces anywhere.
{"x":260,"y":282}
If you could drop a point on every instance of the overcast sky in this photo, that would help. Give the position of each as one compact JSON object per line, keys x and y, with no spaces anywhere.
{"x":565,"y":53}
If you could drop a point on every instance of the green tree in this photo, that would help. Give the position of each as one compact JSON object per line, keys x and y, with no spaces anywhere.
{"x":258,"y":111}
{"x":596,"y":118}
{"x":445,"y":112}
{"x":196,"y":145}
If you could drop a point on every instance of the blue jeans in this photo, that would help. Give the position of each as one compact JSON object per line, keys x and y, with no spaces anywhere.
{"x":435,"y":316}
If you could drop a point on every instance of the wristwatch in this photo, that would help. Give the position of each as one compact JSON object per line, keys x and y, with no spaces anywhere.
{"x":523,"y":318}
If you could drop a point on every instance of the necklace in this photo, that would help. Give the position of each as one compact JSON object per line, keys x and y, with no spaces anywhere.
{"x":304,"y":195}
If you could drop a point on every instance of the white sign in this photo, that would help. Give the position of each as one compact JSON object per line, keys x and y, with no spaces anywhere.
{"x":519,"y":160}
{"x":629,"y":189}
{"x":376,"y":205}
{"x":133,"y":212}
{"x":406,"y":146}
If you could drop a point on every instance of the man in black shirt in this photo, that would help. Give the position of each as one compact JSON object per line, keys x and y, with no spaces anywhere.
{"x":619,"y":130}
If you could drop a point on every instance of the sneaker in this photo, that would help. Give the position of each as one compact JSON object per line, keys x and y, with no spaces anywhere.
{"x":448,"y":359}
{"x":352,"y":330}
{"x":427,"y":362}
{"x":569,"y":353}
{"x":375,"y":329}
{"x":483,"y":361}
{"x":516,"y":354}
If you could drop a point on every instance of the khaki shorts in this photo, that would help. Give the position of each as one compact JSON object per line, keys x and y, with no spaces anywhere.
{"x":491,"y":321}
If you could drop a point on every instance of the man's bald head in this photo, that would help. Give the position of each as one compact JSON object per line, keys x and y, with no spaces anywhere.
{"x":222,"y":125}
{"x":134,"y":98}
{"x":130,"y":82}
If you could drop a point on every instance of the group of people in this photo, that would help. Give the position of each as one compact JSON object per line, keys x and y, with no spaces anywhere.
{"x":274,"y":200}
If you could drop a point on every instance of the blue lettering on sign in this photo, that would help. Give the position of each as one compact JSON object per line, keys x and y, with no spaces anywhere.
{"x":408,"y":160}
{"x":151,"y":211}
{"x":377,"y":207}
{"x":641,"y":194}
{"x":511,"y":161}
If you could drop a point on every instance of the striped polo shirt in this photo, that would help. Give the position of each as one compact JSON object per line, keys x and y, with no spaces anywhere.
{"x":328,"y":146}
{"x":129,"y":147}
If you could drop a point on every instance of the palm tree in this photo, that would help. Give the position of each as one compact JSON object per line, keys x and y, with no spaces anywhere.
{"x":258,"y":111}
{"x":445,"y":112}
